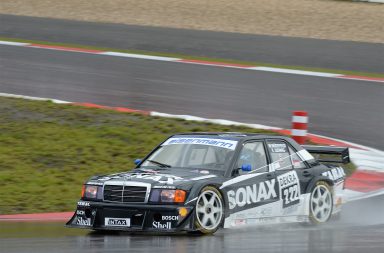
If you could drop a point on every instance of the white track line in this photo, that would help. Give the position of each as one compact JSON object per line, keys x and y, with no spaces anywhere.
{"x":207,"y":63}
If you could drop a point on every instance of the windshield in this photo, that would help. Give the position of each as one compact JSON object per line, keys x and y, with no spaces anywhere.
{"x":200,"y":153}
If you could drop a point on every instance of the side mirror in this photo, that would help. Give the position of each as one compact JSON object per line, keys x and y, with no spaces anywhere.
{"x":137,"y":161}
{"x":246,"y":167}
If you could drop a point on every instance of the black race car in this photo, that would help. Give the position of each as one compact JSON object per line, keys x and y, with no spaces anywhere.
{"x":198,"y":182}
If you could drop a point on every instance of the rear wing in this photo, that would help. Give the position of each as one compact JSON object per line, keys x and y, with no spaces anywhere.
{"x":330,"y":151}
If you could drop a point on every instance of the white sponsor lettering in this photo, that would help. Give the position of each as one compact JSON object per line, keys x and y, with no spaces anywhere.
{"x":252,"y":194}
{"x":163,"y":187}
{"x":161,"y":178}
{"x":228,"y":144}
{"x":288,"y":179}
{"x":289,"y":188}
{"x":83,"y":203}
{"x":278,"y":147}
{"x":170,"y":218}
{"x":95,"y":183}
{"x":117,"y":222}
{"x":80,"y":212}
{"x":157,"y":224}
{"x":83,"y":222}
{"x":335,"y":174}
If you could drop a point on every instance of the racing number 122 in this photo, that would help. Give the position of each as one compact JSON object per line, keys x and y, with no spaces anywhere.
{"x":290,"y":195}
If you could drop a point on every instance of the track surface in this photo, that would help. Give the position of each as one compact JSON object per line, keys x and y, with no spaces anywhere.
{"x":357,"y":56}
{"x":337,"y":108}
{"x":361,"y":229}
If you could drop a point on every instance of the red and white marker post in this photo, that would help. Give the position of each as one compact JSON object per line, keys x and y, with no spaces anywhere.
{"x":299,"y":126}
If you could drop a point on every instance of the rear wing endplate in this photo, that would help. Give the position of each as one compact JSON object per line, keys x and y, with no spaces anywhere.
{"x":329,"y":150}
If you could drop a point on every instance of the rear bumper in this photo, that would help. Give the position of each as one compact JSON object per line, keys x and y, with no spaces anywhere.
{"x":132,"y":217}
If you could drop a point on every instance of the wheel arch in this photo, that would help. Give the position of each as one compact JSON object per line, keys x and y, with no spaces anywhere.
{"x":198,"y":190}
{"x":313,"y":182}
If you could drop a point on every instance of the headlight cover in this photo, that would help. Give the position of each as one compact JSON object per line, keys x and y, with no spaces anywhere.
{"x":167,"y":196}
{"x":92,"y":192}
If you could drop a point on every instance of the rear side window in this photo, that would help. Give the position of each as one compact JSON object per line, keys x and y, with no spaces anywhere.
{"x":280,"y":156}
{"x":297,"y":162}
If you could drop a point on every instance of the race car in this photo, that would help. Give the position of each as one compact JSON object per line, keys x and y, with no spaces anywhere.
{"x":199,"y":182}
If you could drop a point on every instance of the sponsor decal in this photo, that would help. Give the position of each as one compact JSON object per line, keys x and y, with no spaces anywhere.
{"x":239,"y":222}
{"x":160,"y":178}
{"x":202,"y":177}
{"x":83,"y":203}
{"x":158,"y":224}
{"x":278,"y":147}
{"x":95,"y":183}
{"x":117,"y":222}
{"x":80,"y":212}
{"x":170,"y":217}
{"x":252,"y":194}
{"x":264,"y":211}
{"x":163,"y":187}
{"x":254,"y":213}
{"x":228,"y":144}
{"x":83,"y":221}
{"x":267,"y":219}
{"x":335,"y":174}
{"x":289,"y":188}
{"x":305,"y":155}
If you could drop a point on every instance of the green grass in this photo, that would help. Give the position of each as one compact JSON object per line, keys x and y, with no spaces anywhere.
{"x":250,"y":63}
{"x":48,"y":150}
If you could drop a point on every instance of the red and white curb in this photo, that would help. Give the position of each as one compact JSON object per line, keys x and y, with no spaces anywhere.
{"x":37,"y":217}
{"x":198,"y":62}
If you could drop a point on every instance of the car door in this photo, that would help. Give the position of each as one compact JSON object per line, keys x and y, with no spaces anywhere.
{"x":289,"y":169}
{"x":252,"y":188}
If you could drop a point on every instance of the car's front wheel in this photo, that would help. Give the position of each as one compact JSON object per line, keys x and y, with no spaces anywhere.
{"x":321,"y":203}
{"x":209,"y":212}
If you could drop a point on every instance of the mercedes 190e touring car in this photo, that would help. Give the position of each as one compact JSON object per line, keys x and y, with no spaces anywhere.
{"x":199,"y":182}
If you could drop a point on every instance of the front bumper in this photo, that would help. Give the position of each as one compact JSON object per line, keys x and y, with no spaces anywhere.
{"x":132,"y":217}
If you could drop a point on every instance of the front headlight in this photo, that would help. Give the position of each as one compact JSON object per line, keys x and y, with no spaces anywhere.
{"x":92,"y":192}
{"x":167,"y":196}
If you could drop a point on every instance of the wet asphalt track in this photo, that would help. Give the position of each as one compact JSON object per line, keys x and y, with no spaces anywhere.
{"x":342,"y":55}
{"x":338,"y":108}
{"x":346,"y":109}
{"x":361,"y":229}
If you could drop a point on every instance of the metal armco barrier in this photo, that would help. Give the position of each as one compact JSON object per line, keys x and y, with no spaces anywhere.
{"x":299,"y":126}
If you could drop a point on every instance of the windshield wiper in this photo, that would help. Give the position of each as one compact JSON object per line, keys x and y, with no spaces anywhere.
{"x":163,"y":165}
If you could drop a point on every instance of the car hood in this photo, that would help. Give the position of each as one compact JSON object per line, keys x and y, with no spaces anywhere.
{"x":157,"y":177}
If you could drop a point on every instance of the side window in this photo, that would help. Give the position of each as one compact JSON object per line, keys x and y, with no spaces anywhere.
{"x":296,"y":160}
{"x":280,"y":156}
{"x":253,"y":154}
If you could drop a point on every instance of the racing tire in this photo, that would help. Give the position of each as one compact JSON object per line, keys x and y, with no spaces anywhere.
{"x":209,"y":211}
{"x":320,"y":203}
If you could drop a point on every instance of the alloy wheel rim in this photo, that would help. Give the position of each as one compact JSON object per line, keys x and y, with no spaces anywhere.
{"x":209,"y":210}
{"x":321,"y":203}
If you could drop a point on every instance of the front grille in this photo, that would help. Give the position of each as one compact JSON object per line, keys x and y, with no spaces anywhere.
{"x":125,"y":194}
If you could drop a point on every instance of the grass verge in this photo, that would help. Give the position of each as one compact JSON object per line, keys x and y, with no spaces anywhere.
{"x":48,"y":150}
{"x":250,"y":63}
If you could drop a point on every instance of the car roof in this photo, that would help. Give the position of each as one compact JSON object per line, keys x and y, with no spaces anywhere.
{"x":240,"y":136}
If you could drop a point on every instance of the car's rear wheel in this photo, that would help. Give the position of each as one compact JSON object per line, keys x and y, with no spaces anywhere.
{"x":209,"y":211}
{"x":321,"y":203}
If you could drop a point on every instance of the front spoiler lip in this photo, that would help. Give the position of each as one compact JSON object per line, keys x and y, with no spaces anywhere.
{"x":182,"y":226}
{"x":146,"y":230}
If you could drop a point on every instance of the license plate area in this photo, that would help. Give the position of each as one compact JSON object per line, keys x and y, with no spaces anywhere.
{"x":115,"y":217}
{"x":117,"y":222}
